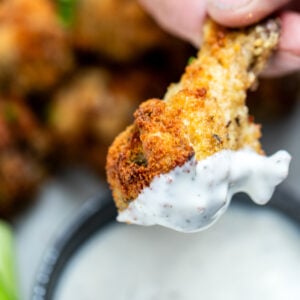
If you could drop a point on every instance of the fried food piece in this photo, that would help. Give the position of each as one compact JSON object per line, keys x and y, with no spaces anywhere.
{"x":201,"y":115}
{"x":91,"y":104}
{"x":20,"y":128}
{"x":118,"y":29}
{"x":34,"y":50}
{"x":22,"y":146}
{"x":87,"y":113}
{"x":20,"y":175}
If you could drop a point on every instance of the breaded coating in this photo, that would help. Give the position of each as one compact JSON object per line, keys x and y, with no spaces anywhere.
{"x":118,"y":29}
{"x":34,"y":50}
{"x":201,"y":115}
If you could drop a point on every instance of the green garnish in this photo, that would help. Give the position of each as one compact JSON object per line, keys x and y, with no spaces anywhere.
{"x":66,"y":11}
{"x":8,"y":286}
{"x":191,"y":59}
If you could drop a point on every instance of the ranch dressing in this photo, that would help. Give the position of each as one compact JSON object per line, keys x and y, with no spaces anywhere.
{"x":251,"y":253}
{"x":192,"y":197}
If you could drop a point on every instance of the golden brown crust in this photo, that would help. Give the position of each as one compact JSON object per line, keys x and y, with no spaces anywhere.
{"x":155,"y":144}
{"x":201,"y":115}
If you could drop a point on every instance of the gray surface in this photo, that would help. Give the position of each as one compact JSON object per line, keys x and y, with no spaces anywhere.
{"x":285,"y":134}
{"x":61,"y":197}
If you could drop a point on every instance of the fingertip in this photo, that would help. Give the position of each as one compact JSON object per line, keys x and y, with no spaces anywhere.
{"x":231,"y":14}
{"x":287,"y":58}
{"x":282,"y":63}
{"x":237,"y":13}
{"x":290,"y":38}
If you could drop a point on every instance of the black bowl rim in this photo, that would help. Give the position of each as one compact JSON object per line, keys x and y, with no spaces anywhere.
{"x":100,"y":211}
{"x":94,"y":214}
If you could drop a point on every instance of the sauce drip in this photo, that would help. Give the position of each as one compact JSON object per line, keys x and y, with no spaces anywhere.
{"x":192,"y":197}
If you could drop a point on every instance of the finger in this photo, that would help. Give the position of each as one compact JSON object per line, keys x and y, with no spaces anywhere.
{"x":178,"y":17}
{"x":282,"y":64}
{"x":234,"y":13}
{"x":290,"y":38}
{"x":287,"y":58}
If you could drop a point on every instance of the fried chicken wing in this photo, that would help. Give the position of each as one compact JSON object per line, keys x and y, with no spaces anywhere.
{"x":118,"y":29}
{"x":34,"y":50}
{"x":22,"y":145}
{"x":199,"y":117}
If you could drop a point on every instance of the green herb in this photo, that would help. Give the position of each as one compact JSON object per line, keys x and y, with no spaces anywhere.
{"x":66,"y":11}
{"x":140,"y":159}
{"x":8,"y":287}
{"x":191,"y":59}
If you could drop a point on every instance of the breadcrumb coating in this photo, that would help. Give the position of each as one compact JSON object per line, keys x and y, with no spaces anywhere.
{"x":202,"y":114}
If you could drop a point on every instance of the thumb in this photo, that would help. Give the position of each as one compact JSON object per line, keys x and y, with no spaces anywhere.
{"x":235,"y":13}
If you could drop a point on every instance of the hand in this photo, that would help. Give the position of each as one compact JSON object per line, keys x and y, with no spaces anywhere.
{"x":185,"y":18}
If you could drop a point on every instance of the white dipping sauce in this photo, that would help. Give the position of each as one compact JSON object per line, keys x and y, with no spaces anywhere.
{"x":251,"y":253}
{"x":192,"y":197}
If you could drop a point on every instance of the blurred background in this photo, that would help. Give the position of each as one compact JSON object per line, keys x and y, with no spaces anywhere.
{"x":72,"y":72}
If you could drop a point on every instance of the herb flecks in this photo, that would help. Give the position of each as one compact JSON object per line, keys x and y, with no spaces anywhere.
{"x":140,"y":159}
{"x":66,"y":10}
{"x":217,"y":138}
{"x":190,"y":60}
